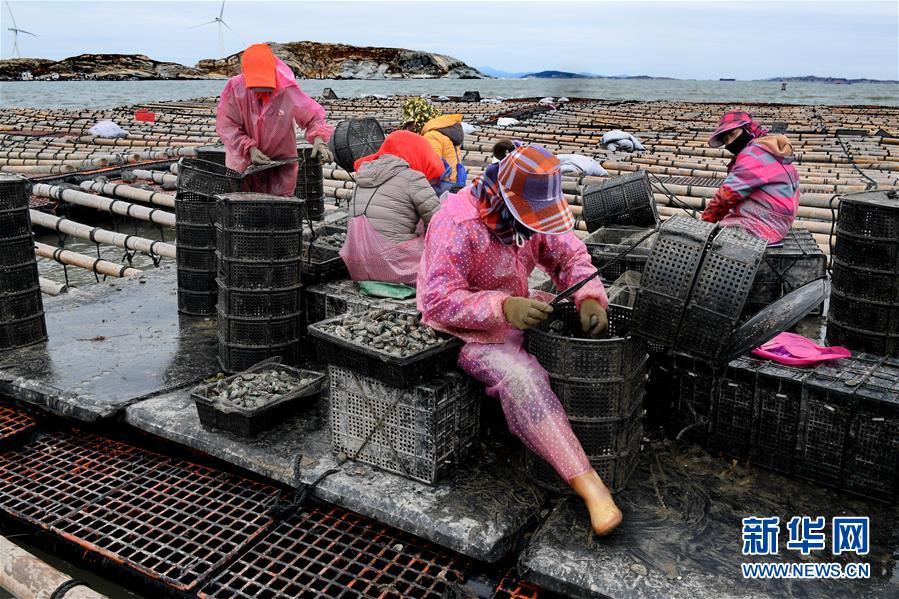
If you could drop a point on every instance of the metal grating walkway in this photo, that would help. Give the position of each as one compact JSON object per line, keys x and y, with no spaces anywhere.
{"x":14,"y":422}
{"x":329,"y":552}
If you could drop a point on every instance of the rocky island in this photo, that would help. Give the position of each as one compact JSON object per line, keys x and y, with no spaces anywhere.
{"x":309,"y":60}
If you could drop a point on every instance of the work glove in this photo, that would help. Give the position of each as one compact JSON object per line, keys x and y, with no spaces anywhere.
{"x":321,"y":150}
{"x":594,"y":320}
{"x":525,"y":313}
{"x":257,"y":157}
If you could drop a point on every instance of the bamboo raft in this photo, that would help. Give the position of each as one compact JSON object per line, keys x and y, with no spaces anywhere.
{"x":840,"y":149}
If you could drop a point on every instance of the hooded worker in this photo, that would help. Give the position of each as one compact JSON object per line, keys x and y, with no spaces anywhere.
{"x":443,"y":132}
{"x":761,"y":191}
{"x":480,"y":249}
{"x":392,"y":204}
{"x":255,"y":120}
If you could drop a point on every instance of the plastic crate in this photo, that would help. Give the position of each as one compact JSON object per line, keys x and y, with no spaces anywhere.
{"x":16,"y":250}
{"x":197,"y":303}
{"x":259,"y":302}
{"x":258,"y":245}
{"x":864,"y":315}
{"x":247,"y":422}
{"x":327,"y":300}
{"x":355,"y":138}
{"x":196,"y":280}
{"x":19,"y":277}
{"x":719,"y":293}
{"x":870,"y":214}
{"x":21,"y":305}
{"x":273,"y":330}
{"x":192,"y":209}
{"x":624,"y":200}
{"x":258,"y":212}
{"x":19,"y":333}
{"x":874,"y":342}
{"x":320,"y":265}
{"x":15,"y":192}
{"x":259,"y":274}
{"x":866,"y":253}
{"x":668,"y":277}
{"x":235,"y":357}
{"x":864,"y":285}
{"x":733,"y":409}
{"x":828,"y":402}
{"x":216,"y":154}
{"x":424,"y":430}
{"x":15,"y":223}
{"x":400,"y":372}
{"x":694,"y":388}
{"x":614,"y":470}
{"x":777,"y":410}
{"x":195,"y":258}
{"x":616,"y":357}
{"x":787,"y":267}
{"x":872,"y":461}
{"x":195,"y":236}
{"x":207,"y":178}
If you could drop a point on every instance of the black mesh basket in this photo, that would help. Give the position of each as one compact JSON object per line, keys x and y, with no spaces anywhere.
{"x":355,"y":138}
{"x":235,"y":357}
{"x":608,"y":243}
{"x":797,"y":261}
{"x":259,"y":303}
{"x":195,"y":236}
{"x":668,"y":277}
{"x":15,"y":251}
{"x":195,"y":258}
{"x":20,"y":333}
{"x":879,"y":343}
{"x":866,"y":253}
{"x":720,"y":292}
{"x":15,"y":192}
{"x":864,"y":285}
{"x":258,"y":212}
{"x":18,"y":277}
{"x":864,"y":315}
{"x":871,"y":215}
{"x":266,"y":274}
{"x":214,"y":154}
{"x":15,"y":222}
{"x":259,"y":331}
{"x":259,"y":245}
{"x":310,"y":183}
{"x":21,"y":305}
{"x":194,"y":209}
{"x":614,"y":470}
{"x":624,"y":200}
{"x":320,"y":264}
{"x":207,"y":178}
{"x":196,"y":280}
{"x":778,"y":401}
{"x":197,"y":303}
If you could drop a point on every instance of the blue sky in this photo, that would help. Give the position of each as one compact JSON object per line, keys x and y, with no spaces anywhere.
{"x":746,"y":39}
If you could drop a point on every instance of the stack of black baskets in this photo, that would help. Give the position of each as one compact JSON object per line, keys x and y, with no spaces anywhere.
{"x":259,"y":237}
{"x":310,"y":183}
{"x":864,"y":300}
{"x":21,"y":308}
{"x":624,"y":200}
{"x":601,"y":384}
{"x":199,"y":181}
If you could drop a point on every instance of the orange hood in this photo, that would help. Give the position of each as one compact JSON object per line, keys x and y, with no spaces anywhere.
{"x":258,"y":67}
{"x":447,"y":120}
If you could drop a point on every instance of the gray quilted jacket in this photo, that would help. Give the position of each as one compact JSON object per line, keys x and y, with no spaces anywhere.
{"x":399,"y":197}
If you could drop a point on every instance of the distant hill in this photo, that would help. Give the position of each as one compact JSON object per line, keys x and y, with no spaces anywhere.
{"x":500,"y":74}
{"x":556,"y":75}
{"x":309,"y":60}
{"x":816,"y":79}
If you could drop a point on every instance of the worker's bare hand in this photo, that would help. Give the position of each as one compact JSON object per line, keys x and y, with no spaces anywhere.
{"x":525,"y":313}
{"x":594,"y":320}
{"x":257,"y":157}
{"x":321,"y":150}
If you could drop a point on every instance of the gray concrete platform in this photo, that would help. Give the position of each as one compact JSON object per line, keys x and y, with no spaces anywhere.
{"x":110,"y":345}
{"x":480,"y":510}
{"x":681,"y":535}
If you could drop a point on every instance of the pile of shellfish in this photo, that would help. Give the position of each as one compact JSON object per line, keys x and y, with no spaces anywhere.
{"x":392,"y":332}
{"x":256,"y":389}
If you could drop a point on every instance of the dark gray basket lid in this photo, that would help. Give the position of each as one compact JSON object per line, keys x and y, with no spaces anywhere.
{"x":774,"y":319}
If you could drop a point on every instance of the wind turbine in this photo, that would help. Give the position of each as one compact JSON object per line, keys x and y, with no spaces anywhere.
{"x":220,"y":21}
{"x":15,"y":32}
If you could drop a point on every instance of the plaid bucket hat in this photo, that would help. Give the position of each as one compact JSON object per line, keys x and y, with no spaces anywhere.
{"x":530,"y":182}
{"x":731,"y":120}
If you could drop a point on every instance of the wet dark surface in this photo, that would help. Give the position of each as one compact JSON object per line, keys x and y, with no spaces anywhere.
{"x":681,"y":535}
{"x":480,"y":510}
{"x":109,"y":345}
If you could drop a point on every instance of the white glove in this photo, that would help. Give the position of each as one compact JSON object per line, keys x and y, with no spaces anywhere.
{"x":257,"y":157}
{"x":321,"y":150}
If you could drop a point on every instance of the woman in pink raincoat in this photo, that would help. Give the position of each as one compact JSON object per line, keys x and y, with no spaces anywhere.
{"x":473,"y":283}
{"x":255,"y":120}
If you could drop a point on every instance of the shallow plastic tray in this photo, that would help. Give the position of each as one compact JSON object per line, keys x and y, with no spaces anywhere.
{"x":247,"y":422}
{"x":397,"y":371}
